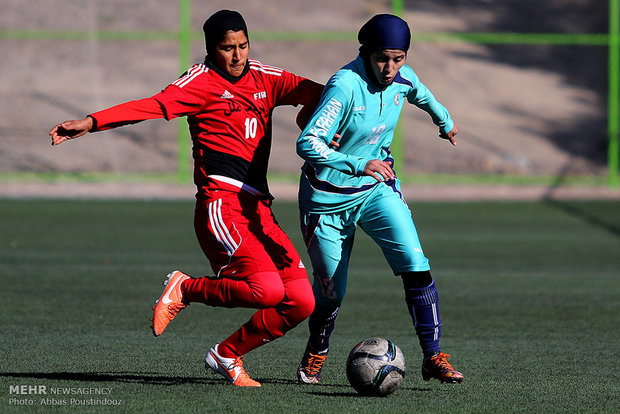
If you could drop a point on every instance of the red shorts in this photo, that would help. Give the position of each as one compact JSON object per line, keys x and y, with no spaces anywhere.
{"x":240,"y":236}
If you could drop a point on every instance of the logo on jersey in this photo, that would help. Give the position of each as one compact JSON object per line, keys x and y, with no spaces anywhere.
{"x":260,"y":95}
{"x":227,"y":95}
{"x":329,"y":116}
{"x":397,"y":99}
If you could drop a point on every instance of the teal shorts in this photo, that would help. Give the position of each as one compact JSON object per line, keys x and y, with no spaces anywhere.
{"x":384,"y":216}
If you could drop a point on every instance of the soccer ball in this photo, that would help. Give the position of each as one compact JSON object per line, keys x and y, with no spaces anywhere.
{"x":375,"y":366}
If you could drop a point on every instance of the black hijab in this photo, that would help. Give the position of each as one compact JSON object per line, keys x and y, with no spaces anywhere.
{"x":214,"y":29}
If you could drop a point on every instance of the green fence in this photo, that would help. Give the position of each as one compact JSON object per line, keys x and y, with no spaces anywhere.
{"x":611,"y":40}
{"x":185,"y":36}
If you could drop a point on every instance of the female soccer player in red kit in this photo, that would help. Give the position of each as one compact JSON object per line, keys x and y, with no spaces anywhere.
{"x":228,"y":101}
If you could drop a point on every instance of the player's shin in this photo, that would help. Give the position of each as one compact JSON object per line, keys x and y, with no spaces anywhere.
{"x":321,"y":325}
{"x":422,"y":303}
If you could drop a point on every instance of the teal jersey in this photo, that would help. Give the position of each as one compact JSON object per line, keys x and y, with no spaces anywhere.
{"x":365,"y":116}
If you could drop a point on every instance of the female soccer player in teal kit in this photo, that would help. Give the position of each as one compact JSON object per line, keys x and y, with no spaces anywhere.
{"x":354,"y":185}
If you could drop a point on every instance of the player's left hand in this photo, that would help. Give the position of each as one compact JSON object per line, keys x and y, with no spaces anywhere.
{"x":450,"y":136}
{"x":379,"y":170}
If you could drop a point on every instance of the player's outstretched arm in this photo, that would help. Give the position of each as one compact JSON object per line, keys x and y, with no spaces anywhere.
{"x":450,"y":136}
{"x":70,"y":129}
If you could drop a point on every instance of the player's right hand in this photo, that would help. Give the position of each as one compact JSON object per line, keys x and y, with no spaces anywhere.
{"x":335,"y":142}
{"x":70,"y":130}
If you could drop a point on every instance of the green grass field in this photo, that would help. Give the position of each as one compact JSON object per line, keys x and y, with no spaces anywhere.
{"x":529,"y":294}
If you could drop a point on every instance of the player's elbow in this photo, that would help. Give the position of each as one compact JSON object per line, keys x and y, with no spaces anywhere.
{"x":299,"y":149}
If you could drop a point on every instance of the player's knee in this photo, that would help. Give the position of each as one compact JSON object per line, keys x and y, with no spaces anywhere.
{"x":300,"y":299}
{"x":269,"y":297}
{"x":304,"y":303}
{"x":267,"y":290}
{"x":417,"y":280}
{"x":272,"y":297}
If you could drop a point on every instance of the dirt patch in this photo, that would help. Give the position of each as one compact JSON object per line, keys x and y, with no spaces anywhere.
{"x":288,"y":192}
{"x":516,"y":113}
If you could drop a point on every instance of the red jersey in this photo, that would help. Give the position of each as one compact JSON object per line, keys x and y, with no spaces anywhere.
{"x":229,"y":120}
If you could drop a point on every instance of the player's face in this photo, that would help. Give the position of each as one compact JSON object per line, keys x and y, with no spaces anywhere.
{"x":231,"y":54}
{"x":386,"y":63}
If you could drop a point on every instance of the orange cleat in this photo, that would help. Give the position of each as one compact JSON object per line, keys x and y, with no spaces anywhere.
{"x":169,"y":303}
{"x":309,"y":371}
{"x":438,"y":367}
{"x":230,"y":368}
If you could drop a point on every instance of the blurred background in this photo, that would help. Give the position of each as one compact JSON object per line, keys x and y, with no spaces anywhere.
{"x":526,"y":81}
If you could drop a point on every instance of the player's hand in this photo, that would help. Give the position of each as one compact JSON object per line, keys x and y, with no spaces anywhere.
{"x":450,"y":136}
{"x":379,"y":170}
{"x":335,"y":142}
{"x":70,"y":130}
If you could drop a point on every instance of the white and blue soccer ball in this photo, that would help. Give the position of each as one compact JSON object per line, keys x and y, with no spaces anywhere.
{"x":376,"y":366}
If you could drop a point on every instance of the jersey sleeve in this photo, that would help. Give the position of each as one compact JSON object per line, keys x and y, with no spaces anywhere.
{"x":327,"y":120}
{"x":176,"y":101}
{"x":126,"y":114}
{"x":296,"y":90}
{"x":184,"y":96}
{"x":423,"y":98}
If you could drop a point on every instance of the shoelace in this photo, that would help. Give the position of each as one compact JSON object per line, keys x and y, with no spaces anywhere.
{"x":243,"y":377}
{"x":315,"y":362}
{"x":238,"y":362}
{"x":441,"y":361}
{"x":175,"y":308}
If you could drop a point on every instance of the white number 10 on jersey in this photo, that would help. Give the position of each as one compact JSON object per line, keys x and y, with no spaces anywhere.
{"x":250,"y":128}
